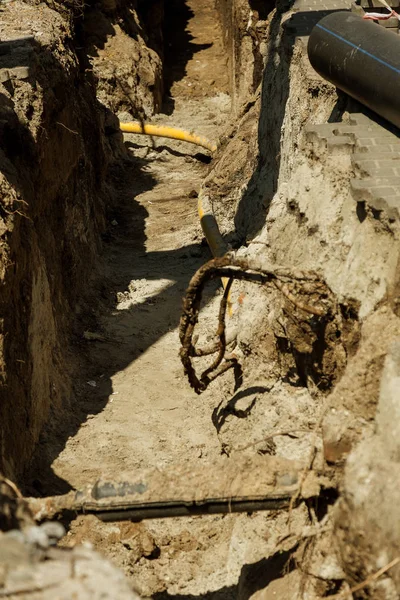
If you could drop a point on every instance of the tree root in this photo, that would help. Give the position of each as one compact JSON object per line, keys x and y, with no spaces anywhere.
{"x":232,"y":268}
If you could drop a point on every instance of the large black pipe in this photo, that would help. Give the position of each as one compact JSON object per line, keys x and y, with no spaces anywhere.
{"x":361,"y":58}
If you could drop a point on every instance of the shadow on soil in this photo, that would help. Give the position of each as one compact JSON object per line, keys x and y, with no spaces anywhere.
{"x":136,"y":328}
{"x":223,"y":411}
{"x":254,"y":205}
{"x":179,"y":47}
{"x":253,"y":577}
{"x":252,"y":208}
{"x":37,"y":241}
{"x":139,"y":327}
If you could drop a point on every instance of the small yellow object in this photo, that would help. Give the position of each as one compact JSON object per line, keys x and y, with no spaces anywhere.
{"x":168,"y":132}
{"x":213,"y":235}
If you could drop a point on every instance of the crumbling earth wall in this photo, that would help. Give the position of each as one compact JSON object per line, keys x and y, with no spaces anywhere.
{"x":293,"y":187}
{"x":58,"y":142}
{"x":244,"y":26}
{"x":53,"y":164}
{"x":124,"y":44}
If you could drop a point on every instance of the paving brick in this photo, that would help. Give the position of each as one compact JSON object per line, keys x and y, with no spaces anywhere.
{"x":377,"y":168}
{"x":361,"y":131}
{"x":378,"y":149}
{"x":359,"y":119}
{"x":384,"y":199}
{"x":319,"y":131}
{"x":321,"y":5}
{"x":340,"y":142}
{"x":360,"y":189}
{"x":376,"y":182}
{"x":374,"y":171}
{"x":375,"y":4}
{"x":394,"y":157}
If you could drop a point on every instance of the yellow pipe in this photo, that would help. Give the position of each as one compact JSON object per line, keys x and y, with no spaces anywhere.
{"x":167,"y":132}
{"x":208,"y":221}
{"x":216,"y":242}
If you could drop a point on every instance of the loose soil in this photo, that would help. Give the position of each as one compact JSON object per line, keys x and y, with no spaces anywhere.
{"x":135,"y":406}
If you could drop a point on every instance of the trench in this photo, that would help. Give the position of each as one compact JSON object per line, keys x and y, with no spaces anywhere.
{"x":130,"y":407}
{"x":134,"y":407}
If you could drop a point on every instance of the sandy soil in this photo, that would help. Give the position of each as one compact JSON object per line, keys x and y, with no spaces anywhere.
{"x":136,"y":408}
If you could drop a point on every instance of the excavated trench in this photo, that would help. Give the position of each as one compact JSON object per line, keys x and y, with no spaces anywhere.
{"x":99,"y":239}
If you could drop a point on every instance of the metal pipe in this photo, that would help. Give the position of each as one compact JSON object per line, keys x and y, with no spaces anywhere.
{"x":361,"y":58}
{"x":243,"y":484}
{"x":214,"y":238}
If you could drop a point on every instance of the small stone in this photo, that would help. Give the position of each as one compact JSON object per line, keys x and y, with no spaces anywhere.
{"x":336,"y":436}
{"x":4,"y":75}
{"x":287,"y":479}
{"x":54,"y":531}
{"x":37,"y":537}
{"x":20,"y":72}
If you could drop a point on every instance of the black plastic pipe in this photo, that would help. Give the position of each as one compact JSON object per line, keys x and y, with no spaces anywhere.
{"x":361,"y":58}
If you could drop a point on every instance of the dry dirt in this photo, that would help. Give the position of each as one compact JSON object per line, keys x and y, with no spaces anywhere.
{"x":310,"y":386}
{"x":135,"y":407}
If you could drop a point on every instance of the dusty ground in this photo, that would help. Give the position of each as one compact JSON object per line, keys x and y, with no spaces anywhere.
{"x":136,"y":408}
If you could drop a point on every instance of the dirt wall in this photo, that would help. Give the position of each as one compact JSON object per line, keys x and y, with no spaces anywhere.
{"x":53,"y":163}
{"x":123,"y":42}
{"x":244,"y":26}
{"x":287,"y":184}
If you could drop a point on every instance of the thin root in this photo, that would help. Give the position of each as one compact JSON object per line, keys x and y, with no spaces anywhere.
{"x":230,"y":268}
{"x":366,"y":582}
{"x":12,"y":486}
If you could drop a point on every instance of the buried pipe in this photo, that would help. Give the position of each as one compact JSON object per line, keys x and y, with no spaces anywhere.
{"x":360,"y":58}
{"x":215,"y":241}
{"x":242,"y":484}
{"x":168,"y":132}
{"x":208,"y":221}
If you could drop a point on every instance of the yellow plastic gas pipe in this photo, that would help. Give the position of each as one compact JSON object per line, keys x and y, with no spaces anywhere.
{"x":208,"y":221}
{"x":167,"y":132}
{"x":210,"y":228}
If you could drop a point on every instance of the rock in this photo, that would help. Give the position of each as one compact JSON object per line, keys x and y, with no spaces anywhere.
{"x":54,"y":531}
{"x":336,"y":435}
{"x":388,"y":415}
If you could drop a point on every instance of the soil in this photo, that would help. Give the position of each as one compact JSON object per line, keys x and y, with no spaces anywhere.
{"x":135,"y":408}
{"x":310,"y":384}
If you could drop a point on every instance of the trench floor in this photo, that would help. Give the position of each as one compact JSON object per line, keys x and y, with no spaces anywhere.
{"x":139,"y":410}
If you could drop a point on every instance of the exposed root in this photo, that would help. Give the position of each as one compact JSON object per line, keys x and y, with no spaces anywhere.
{"x":214,"y":347}
{"x":371,"y":579}
{"x":310,"y":462}
{"x":232,"y":268}
{"x":12,"y":486}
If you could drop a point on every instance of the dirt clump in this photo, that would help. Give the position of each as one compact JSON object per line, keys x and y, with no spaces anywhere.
{"x":129,"y":73}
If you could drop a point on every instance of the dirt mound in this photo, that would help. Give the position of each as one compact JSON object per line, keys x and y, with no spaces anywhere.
{"x":129,"y":73}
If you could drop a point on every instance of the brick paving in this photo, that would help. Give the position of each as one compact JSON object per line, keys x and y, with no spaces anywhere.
{"x":375,"y":157}
{"x":373,"y":147}
{"x":307,"y":13}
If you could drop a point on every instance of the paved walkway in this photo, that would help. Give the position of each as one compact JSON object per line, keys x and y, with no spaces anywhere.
{"x":372,"y":143}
